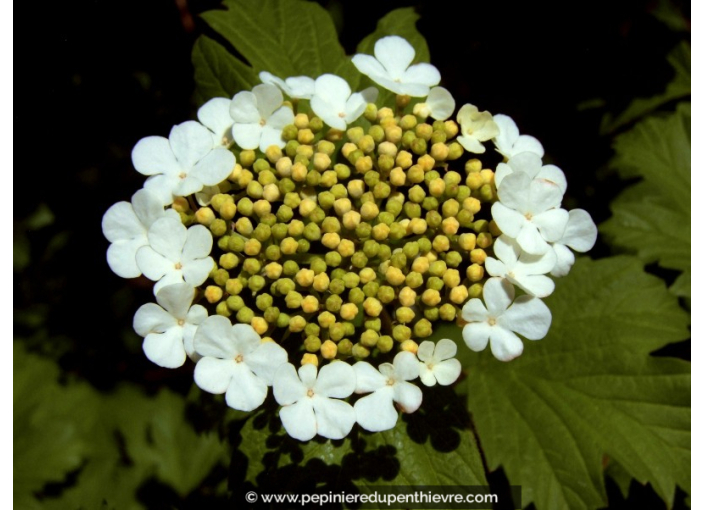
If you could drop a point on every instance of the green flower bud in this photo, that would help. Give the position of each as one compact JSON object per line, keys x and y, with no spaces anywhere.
{"x":407,"y":139}
{"x":401,"y":333}
{"x":313,"y":178}
{"x":425,"y":245}
{"x":289,"y":132}
{"x":284,"y":214}
{"x":359,"y":351}
{"x":356,"y":296}
{"x":271,"y":314}
{"x":405,"y":314}
{"x":363,"y":230}
{"x":326,"y":319}
{"x":252,"y":265}
{"x":484,"y":240}
{"x":337,"y":286}
{"x":235,"y":303}
{"x":370,"y":289}
{"x":453,"y":259}
{"x":344,"y":347}
{"x":386,"y":294}
{"x":432,"y":313}
{"x":369,"y":338}
{"x":481,"y":226}
{"x":224,"y":243}
{"x":434,"y":219}
{"x":334,"y":302}
{"x":293,"y":200}
{"x":423,"y":329}
{"x":218,"y":227}
{"x":336,"y":332}
{"x":343,"y":171}
{"x":262,"y":232}
{"x":415,"y":174}
{"x":296,"y":324}
{"x":455,"y":151}
{"x":414,"y":280}
{"x":435,"y":283}
{"x":312,"y":232}
{"x":282,"y":321}
{"x":316,"y":124}
{"x":264,"y":301}
{"x":384,"y":252}
{"x":312,"y":343}
{"x":247,"y":158}
{"x":289,"y":245}
{"x":228,"y":261}
{"x":256,"y":283}
{"x":359,"y":260}
{"x":396,"y":231}
{"x":448,"y":312}
{"x":326,"y":200}
{"x":412,"y":210}
{"x":385,"y":343}
{"x":233,"y":286}
{"x":373,"y":324}
{"x":221,"y":276}
{"x":399,"y":260}
{"x":245,"y":315}
{"x":450,"y":208}
{"x":437,"y":268}
{"x":394,"y":207}
{"x":222,"y":309}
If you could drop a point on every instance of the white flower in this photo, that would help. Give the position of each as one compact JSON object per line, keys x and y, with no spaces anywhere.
{"x":521,"y":268}
{"x":334,"y":102}
{"x":168,"y":329}
{"x":391,"y":70}
{"x":295,"y":87}
{"x":215,"y":115}
{"x":475,"y":127}
{"x":499,"y":321}
{"x":527,"y":211}
{"x":235,"y":362}
{"x":376,"y":412}
{"x":175,"y":254}
{"x":530,"y":164}
{"x":310,"y":400}
{"x":182,"y":164}
{"x":259,"y":117}
{"x":126,"y":225}
{"x":580,"y":235}
{"x":438,"y":363}
{"x":439,"y":105}
{"x":508,"y":141}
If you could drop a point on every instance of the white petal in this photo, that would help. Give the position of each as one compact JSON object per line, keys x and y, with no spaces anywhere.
{"x":245,"y":339}
{"x":551,"y":224}
{"x":408,"y":396}
{"x":474,"y":311}
{"x":215,"y":114}
{"x":308,"y":374}
{"x":246,"y":391}
{"x":526,"y":143}
{"x":214,"y":375}
{"x":508,"y":220}
{"x":508,"y":134}
{"x":530,"y":240}
{"x":186,"y":186}
{"x":337,"y":380}
{"x":333,"y":90}
{"x":287,"y":386}
{"x":527,"y":163}
{"x":214,"y":168}
{"x":445,"y":349}
{"x":565,"y":260}
{"x":426,"y":350}
{"x":441,"y":103}
{"x":366,"y":64}
{"x":328,"y":113}
{"x":376,"y":411}
{"x":395,"y":54}
{"x":167,"y":237}
{"x":214,"y":338}
{"x":544,"y":195}
{"x":147,"y":207}
{"x":280,"y":118}
{"x":198,"y":244}
{"x":196,"y":271}
{"x":266,"y":360}
{"x":247,"y":136}
{"x":122,"y":257}
{"x":406,"y":366}
{"x":446,"y":372}
{"x":368,"y":378}
{"x":536,"y":264}
{"x":498,"y":295}
{"x":514,"y":192}
{"x":580,"y":233}
{"x":355,"y":107}
{"x":166,"y":349}
{"x":170,"y":278}
{"x":505,"y":346}
{"x":554,"y":174}
{"x":270,"y":136}
{"x":299,"y":420}
{"x":528,"y":316}
{"x":535,"y":285}
{"x":495,"y":267}
{"x":162,"y":186}
{"x":176,"y":299}
{"x":421,"y":74}
{"x":502,"y":170}
{"x":243,"y":109}
{"x":334,"y":418}
{"x":426,"y":375}
{"x":269,"y":99}
{"x":152,"y":264}
{"x":151,"y":318}
{"x":153,"y":155}
{"x":121,"y":222}
{"x":476,"y":335}
{"x":471,"y":144}
{"x":190,"y":141}
{"x":507,"y":250}
{"x":300,"y":87}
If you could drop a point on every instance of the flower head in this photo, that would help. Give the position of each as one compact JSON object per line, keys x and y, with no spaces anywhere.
{"x":176,"y":254}
{"x":182,"y":164}
{"x":334,"y":102}
{"x":498,"y":322}
{"x":168,"y":327}
{"x":392,"y":68}
{"x":438,"y":363}
{"x":259,"y":117}
{"x":376,"y":412}
{"x":310,"y":400}
{"x":126,"y":226}
{"x":476,"y":127}
{"x":235,"y":362}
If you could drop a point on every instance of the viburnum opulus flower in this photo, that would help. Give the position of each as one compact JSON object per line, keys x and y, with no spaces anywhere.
{"x":351,"y":224}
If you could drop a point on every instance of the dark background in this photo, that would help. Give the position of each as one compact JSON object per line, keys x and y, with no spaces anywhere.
{"x":104,"y":74}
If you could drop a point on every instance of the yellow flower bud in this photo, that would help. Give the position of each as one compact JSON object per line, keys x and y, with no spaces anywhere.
{"x":487,"y":176}
{"x":283,"y":167}
{"x":274,"y":153}
{"x":397,"y":177}
{"x":472,"y":205}
{"x":349,"y":311}
{"x":342,"y":205}
{"x":484,"y":240}
{"x":467,"y":241}
{"x":273,"y":270}
{"x":351,"y":219}
{"x":393,"y":134}
{"x":421,"y":265}
{"x":477,"y":256}
{"x":346,"y":248}
{"x":364,"y":164}
{"x":271,"y":193}
{"x":451,"y":278}
{"x":307,"y":206}
{"x":261,"y":208}
{"x":235,"y":174}
{"x":451,"y":128}
{"x":205,"y":216}
{"x":328,"y":350}
{"x":321,"y":161}
{"x":395,"y":276}
{"x":326,"y":319}
{"x":348,"y":149}
{"x":321,"y":282}
{"x":409,"y":346}
{"x":459,"y":294}
{"x":306,"y":136}
{"x":494,"y":229}
{"x":417,"y":226}
{"x":439,"y":151}
{"x":304,"y":277}
{"x":431,"y":297}
{"x":450,"y":226}
{"x":289,"y":246}
{"x":331,"y":240}
{"x":301,"y":121}
{"x":259,"y":325}
{"x":309,"y":359}
{"x":369,"y":211}
{"x":388,"y":149}
{"x":404,"y":159}
{"x":252,"y":247}
{"x":475,"y":272}
{"x":407,"y":296}
{"x":380,"y":232}
{"x":309,"y":304}
{"x":244,"y":226}
{"x":441,"y":243}
{"x":474,"y":181}
{"x":213,"y":294}
{"x":367,"y":275}
{"x":372,"y":307}
{"x":426,"y":162}
{"x":355,"y":188}
{"x":295,"y":228}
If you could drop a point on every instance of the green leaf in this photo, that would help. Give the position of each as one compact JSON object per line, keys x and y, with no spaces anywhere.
{"x":653,"y":218}
{"x":217,"y":72}
{"x":680,"y":87}
{"x":590,"y":390}
{"x":285,"y":37}
{"x":433,"y":446}
{"x":401,"y":22}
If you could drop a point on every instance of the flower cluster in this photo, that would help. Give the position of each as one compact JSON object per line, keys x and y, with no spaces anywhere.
{"x":303,"y":237}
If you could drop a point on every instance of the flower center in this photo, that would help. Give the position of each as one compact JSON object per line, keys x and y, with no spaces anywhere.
{"x":239,"y":358}
{"x":511,"y":274}
{"x":181,"y":322}
{"x":178,"y":266}
{"x":182,"y":175}
{"x":492,"y":321}
{"x":342,"y":115}
{"x":529,"y":216}
{"x":390,"y":382}
{"x":310,"y":392}
{"x":262,"y":123}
